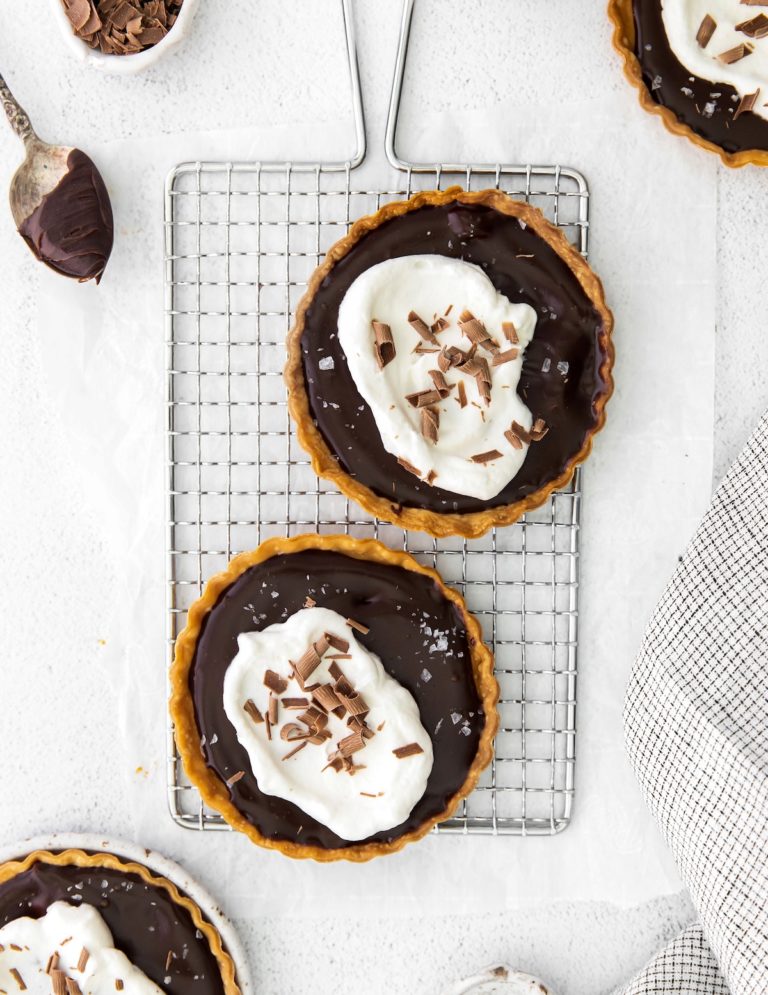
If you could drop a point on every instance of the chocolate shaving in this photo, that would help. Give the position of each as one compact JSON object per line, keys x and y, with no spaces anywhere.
{"x":269,"y":727}
{"x":441,"y":384}
{"x":354,"y":703}
{"x":335,"y":763}
{"x":522,"y":433}
{"x":320,"y":737}
{"x":82,"y":960}
{"x":59,"y":982}
{"x":292,"y":732}
{"x":438,"y":326}
{"x":307,"y":665}
{"x":539,"y":430}
{"x":735,"y":54}
{"x":409,"y":467}
{"x":422,"y":328}
{"x":430,"y":424}
{"x":476,"y":331}
{"x":367,"y":794}
{"x":53,"y":960}
{"x":423,"y":350}
{"x":294,"y":703}
{"x":448,"y":310}
{"x":443,"y":361}
{"x":407,"y":751}
{"x":510,"y":332}
{"x":358,"y":626}
{"x":513,"y":439}
{"x":384,"y":346}
{"x":488,"y":457}
{"x":351,"y":744}
{"x":294,"y":751}
{"x":339,"y":656}
{"x":342,"y":645}
{"x":314,"y":719}
{"x":707,"y":28}
{"x":275,"y":682}
{"x":505,"y":357}
{"x":423,"y":398}
{"x":250,"y":708}
{"x":431,"y":477}
{"x":72,"y":987}
{"x":235,"y":778}
{"x":169,"y":959}
{"x":336,"y":672}
{"x":272,"y":710}
{"x":18,"y":978}
{"x":309,"y":602}
{"x":119,"y":984}
{"x":746,"y":104}
{"x":462,"y":398}
{"x":755,"y":27}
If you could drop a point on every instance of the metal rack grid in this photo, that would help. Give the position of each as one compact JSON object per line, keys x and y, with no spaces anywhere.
{"x":241,"y":243}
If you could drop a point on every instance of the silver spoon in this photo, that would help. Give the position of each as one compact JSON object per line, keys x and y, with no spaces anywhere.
{"x":59,"y":201}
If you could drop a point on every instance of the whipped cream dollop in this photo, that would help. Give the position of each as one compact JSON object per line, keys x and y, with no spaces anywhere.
{"x":469,"y":425}
{"x":714,"y":53}
{"x":371,"y":789}
{"x":75,"y":940}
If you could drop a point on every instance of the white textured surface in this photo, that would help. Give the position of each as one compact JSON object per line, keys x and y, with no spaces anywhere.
{"x":59,"y":565}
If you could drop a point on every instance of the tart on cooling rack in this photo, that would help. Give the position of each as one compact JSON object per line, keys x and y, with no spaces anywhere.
{"x":80,"y":923}
{"x":332,"y":698}
{"x":702,"y":67}
{"x":450,"y":362}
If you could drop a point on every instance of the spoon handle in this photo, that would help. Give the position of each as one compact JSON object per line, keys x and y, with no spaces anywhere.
{"x":17,"y":116}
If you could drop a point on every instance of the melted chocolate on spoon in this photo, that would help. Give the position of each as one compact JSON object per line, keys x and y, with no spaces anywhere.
{"x":144,"y":921}
{"x":413,"y":629}
{"x":560,"y":380}
{"x":72,"y":229}
{"x":671,"y":85}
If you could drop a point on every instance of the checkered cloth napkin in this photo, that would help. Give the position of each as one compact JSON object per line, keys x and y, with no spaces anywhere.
{"x":696,"y":721}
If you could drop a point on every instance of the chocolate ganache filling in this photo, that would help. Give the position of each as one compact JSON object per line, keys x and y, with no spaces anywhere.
{"x":419,"y":636}
{"x":72,"y":230}
{"x":144,"y":921}
{"x":707,"y":108}
{"x":560,"y":379}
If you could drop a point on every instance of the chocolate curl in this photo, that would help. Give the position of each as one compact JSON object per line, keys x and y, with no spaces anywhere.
{"x":505,"y":357}
{"x":430,"y":424}
{"x":351,"y":744}
{"x":488,"y":457}
{"x":423,"y":398}
{"x":422,"y":328}
{"x":441,"y":384}
{"x":510,"y":332}
{"x":476,"y":332}
{"x":384,"y":346}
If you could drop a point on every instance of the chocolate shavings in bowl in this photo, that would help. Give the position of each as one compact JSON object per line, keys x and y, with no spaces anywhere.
{"x":122,"y":27}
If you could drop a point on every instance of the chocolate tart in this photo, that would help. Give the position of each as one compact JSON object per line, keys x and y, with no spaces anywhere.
{"x":682,"y":101}
{"x":147,"y":915}
{"x":389,"y":594}
{"x":528,"y":260}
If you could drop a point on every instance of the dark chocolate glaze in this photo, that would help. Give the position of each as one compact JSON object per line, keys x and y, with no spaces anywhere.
{"x":567,"y":332}
{"x":406,"y":613}
{"x":72,"y":229}
{"x":144,"y":921}
{"x":687,"y":96}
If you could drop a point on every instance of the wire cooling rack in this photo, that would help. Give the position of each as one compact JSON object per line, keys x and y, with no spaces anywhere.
{"x":241,"y":243}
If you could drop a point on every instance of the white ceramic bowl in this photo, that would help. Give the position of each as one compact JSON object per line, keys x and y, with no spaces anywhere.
{"x":500,"y":980}
{"x":156,"y":862}
{"x":124,"y":65}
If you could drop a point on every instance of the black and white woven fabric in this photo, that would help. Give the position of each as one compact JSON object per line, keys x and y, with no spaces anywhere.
{"x":696,"y":721}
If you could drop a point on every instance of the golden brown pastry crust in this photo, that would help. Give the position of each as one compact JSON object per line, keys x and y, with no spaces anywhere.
{"x":621,"y":13}
{"x":215,"y":792}
{"x":470,"y":525}
{"x":79,"y":858}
